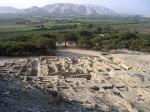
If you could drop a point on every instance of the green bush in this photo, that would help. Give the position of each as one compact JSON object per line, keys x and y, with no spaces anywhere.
{"x":25,"y":45}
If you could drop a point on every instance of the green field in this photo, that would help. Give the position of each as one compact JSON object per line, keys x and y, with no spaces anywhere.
{"x":78,"y":23}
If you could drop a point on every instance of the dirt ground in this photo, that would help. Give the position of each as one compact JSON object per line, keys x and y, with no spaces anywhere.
{"x":76,"y":81}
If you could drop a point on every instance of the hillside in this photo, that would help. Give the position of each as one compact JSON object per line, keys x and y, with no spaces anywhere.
{"x":101,"y":10}
{"x":34,"y":10}
{"x":69,"y":9}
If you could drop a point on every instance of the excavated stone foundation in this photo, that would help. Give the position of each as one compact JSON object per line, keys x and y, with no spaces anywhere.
{"x":73,"y":84}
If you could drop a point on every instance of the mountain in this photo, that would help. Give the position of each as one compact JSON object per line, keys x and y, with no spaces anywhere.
{"x":34,"y":10}
{"x":101,"y":10}
{"x":61,"y":9}
{"x":69,"y":9}
{"x":8,"y":10}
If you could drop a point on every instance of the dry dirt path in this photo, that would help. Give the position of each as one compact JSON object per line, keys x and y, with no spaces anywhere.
{"x":77,"y":52}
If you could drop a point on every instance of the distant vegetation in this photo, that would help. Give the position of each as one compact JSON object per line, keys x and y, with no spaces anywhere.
{"x":38,"y":38}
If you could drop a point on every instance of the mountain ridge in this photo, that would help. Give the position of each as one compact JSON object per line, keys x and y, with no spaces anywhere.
{"x":8,"y":10}
{"x":62,"y":9}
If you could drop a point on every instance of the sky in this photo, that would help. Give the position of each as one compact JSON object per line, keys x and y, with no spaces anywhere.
{"x":141,"y":7}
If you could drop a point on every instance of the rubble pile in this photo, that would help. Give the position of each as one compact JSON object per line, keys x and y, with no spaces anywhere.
{"x":73,"y":84}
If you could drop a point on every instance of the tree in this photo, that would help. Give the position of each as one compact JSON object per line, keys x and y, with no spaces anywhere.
{"x":85,"y":33}
{"x":84,"y":42}
{"x":67,"y":37}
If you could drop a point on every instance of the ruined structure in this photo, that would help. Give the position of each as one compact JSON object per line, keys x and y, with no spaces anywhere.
{"x":98,"y":83}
